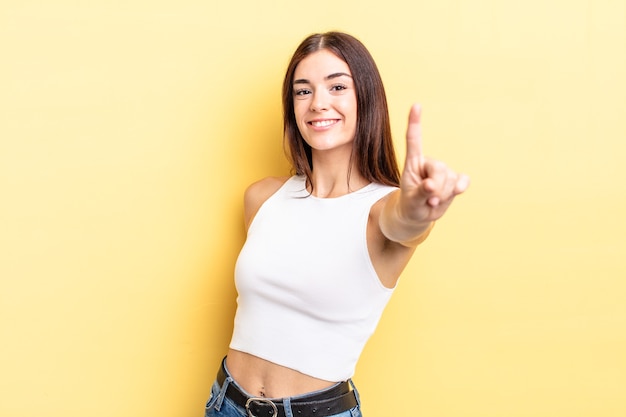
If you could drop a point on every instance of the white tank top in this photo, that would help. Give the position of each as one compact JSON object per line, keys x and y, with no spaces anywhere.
{"x":308,"y":295}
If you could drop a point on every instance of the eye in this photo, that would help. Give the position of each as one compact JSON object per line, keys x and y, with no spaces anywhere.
{"x":302,"y":92}
{"x":338,"y":87}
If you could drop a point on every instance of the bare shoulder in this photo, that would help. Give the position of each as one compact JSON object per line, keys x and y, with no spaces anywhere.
{"x":261,"y":190}
{"x":257,"y":193}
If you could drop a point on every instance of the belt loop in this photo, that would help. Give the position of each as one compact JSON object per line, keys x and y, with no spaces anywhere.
{"x":222,"y":394}
{"x":356,"y":393}
{"x":287,"y":407}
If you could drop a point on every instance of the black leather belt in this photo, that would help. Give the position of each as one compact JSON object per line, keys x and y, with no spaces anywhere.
{"x":327,"y":403}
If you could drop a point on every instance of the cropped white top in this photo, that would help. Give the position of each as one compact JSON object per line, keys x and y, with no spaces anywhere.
{"x":308,"y":295}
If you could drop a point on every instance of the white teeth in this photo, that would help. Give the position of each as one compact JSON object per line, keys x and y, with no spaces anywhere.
{"x":323,"y":123}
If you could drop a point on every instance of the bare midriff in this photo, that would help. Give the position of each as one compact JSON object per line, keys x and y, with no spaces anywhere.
{"x":266,"y":379}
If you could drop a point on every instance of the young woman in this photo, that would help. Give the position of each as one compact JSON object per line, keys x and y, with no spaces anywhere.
{"x":326,"y":246}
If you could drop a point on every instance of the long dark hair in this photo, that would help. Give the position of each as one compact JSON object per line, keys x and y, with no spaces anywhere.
{"x":372,"y":149}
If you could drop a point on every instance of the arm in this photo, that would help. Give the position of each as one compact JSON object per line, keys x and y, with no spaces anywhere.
{"x":427,"y":188}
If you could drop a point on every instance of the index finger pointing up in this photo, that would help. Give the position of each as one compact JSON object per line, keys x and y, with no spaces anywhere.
{"x":414,"y":137}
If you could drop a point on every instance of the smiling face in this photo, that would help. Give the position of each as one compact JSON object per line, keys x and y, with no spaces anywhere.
{"x":325,"y":105}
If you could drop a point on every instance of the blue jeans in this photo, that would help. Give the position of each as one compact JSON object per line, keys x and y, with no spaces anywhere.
{"x":219,"y":405}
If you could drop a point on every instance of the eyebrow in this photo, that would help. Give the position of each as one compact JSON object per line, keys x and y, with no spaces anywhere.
{"x":328,"y":77}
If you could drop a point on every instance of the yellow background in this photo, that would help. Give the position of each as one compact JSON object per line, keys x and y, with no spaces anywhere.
{"x":129,"y":130}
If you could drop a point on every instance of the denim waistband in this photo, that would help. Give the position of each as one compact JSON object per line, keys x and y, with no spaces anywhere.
{"x":326,"y":402}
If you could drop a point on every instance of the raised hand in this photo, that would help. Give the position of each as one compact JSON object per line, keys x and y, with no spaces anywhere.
{"x":428,"y":187}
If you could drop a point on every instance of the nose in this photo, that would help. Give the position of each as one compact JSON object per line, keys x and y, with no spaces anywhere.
{"x":319,"y":101}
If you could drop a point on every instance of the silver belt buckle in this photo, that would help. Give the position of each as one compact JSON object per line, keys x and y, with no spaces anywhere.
{"x":261,"y":400}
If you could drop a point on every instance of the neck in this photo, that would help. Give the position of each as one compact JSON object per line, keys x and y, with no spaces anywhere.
{"x":334,"y":180}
